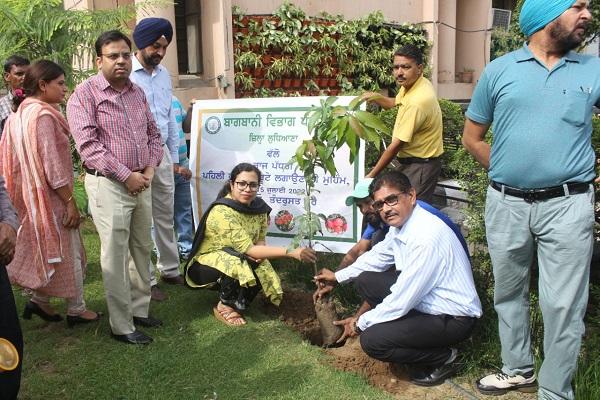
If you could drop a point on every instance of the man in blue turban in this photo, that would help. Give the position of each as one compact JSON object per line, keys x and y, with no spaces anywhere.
{"x":540,"y":202}
{"x":152,"y":36}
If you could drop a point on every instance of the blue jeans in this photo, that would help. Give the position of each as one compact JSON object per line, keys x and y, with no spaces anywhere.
{"x":182,"y":217}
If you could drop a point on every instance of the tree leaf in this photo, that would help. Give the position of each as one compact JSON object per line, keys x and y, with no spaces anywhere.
{"x":371,"y":121}
{"x":357,"y":127}
{"x":356,"y":102}
{"x":351,"y":140}
{"x":313,"y":120}
{"x":330,"y":100}
{"x":300,"y":154}
{"x":330,"y":166}
{"x":338,"y":111}
{"x":341,"y":131}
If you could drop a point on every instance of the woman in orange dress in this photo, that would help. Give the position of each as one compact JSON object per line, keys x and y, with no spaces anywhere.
{"x":35,"y":159}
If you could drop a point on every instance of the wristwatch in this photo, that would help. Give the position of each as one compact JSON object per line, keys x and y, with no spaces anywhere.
{"x":357,"y":330}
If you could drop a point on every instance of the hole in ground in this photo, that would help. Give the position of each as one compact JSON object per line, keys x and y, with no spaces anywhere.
{"x":297,"y":311}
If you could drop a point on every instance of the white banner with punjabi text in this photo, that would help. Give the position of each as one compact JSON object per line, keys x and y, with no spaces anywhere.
{"x":266,"y":132}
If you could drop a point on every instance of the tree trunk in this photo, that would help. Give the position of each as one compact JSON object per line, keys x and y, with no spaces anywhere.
{"x":326,"y":314}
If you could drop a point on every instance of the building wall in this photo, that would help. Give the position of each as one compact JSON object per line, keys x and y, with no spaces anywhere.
{"x":452,"y":50}
{"x":396,"y":11}
{"x":473,"y":48}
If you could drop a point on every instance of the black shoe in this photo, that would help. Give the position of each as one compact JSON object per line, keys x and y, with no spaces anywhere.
{"x":136,"y":337}
{"x":33,"y":308}
{"x":173,"y":280}
{"x":73,"y":320}
{"x":437,"y":376}
{"x":147,"y":322}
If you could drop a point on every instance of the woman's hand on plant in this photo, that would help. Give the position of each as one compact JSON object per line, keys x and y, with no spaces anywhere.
{"x":304,"y":254}
{"x":349,"y":331}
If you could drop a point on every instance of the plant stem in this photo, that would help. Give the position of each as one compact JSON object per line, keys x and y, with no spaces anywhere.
{"x":308,"y":210}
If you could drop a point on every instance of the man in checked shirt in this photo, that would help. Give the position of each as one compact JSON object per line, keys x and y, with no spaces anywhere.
{"x":120,"y":146}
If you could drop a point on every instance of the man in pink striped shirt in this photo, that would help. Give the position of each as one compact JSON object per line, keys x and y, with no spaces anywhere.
{"x":120,"y":146}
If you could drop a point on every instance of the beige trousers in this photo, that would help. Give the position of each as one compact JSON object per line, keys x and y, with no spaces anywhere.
{"x":123,"y":223}
{"x":163,"y":192}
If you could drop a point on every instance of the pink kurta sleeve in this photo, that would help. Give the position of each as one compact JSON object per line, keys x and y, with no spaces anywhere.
{"x":55,"y":152}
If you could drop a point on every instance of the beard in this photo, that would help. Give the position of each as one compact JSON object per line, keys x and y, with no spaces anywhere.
{"x":374,"y":219}
{"x":151,"y":60}
{"x":564,"y":39}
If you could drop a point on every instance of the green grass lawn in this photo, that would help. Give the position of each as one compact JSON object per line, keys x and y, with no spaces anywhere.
{"x":196,"y":357}
{"x":193,"y":355}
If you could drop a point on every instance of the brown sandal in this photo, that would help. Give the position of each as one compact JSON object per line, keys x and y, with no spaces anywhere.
{"x":228,"y":315}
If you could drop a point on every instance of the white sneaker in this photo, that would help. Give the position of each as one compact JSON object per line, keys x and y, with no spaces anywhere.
{"x":501,"y":383}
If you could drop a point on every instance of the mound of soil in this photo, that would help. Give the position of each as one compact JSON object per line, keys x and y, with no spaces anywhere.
{"x":297,"y":311}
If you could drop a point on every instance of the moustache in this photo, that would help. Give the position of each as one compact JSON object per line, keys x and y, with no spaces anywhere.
{"x":388,"y":214}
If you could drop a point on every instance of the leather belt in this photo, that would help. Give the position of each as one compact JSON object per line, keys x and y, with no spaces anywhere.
{"x":415,"y":160}
{"x":92,"y":171}
{"x":95,"y":172}
{"x":463,"y":318}
{"x":531,"y":195}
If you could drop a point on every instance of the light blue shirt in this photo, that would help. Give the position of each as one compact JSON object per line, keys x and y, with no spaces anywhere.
{"x":370,"y":231}
{"x":436,"y":273}
{"x":541,"y":120}
{"x":159,"y":91}
{"x":179,"y":118}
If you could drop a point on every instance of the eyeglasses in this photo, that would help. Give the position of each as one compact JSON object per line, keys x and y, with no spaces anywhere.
{"x":243,"y":185}
{"x":390,"y":200}
{"x":115,"y":56}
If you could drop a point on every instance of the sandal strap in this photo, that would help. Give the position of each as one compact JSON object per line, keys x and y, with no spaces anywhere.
{"x":230,"y":314}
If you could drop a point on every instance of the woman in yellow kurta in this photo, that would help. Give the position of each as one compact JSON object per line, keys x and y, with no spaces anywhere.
{"x":230,"y":253}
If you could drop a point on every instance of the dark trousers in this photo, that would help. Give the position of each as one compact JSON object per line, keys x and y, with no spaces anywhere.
{"x":423,"y":177}
{"x":230,"y":291}
{"x":415,"y":338}
{"x":10,"y":381}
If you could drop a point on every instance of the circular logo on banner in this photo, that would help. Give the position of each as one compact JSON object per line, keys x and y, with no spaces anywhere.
{"x":212,"y":125}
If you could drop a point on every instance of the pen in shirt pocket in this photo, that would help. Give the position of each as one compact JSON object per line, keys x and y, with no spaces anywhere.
{"x":588,"y":90}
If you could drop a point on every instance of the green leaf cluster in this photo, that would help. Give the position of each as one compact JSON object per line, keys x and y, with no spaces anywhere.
{"x":44,"y":29}
{"x":331,"y":127}
{"x":356,"y":53}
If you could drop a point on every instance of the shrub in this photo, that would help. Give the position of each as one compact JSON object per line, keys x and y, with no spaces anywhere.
{"x":453,"y":121}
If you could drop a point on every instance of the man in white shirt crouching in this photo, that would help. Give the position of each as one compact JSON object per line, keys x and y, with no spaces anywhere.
{"x":431,"y":306}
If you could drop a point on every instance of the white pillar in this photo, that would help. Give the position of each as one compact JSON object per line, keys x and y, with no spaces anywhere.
{"x":217,"y":44}
{"x":446,"y":42}
{"x":430,"y":14}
